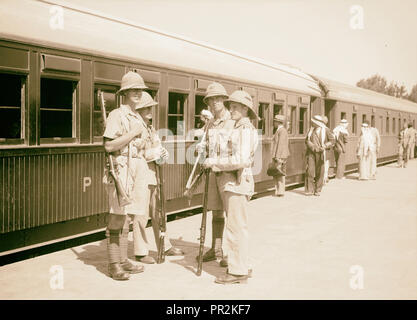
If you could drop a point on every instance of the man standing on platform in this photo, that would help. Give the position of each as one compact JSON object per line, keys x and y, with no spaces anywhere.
{"x":232,"y":167}
{"x":317,"y":141}
{"x":122,"y":127}
{"x":403,"y":146}
{"x":375,"y":146}
{"x":341,"y":136}
{"x":152,"y":152}
{"x":280,"y":153}
{"x":215,"y":96}
{"x":413,"y":134}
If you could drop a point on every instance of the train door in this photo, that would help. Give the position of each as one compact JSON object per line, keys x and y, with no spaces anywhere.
{"x":329,"y":112}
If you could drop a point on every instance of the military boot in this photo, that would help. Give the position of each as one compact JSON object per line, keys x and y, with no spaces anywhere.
{"x":117,"y":273}
{"x":113,"y":251}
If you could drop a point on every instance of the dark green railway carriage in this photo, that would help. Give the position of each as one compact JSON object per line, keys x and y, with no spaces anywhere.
{"x":51,"y":154}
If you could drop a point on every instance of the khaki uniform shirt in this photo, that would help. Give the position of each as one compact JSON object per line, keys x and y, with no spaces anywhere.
{"x":236,"y":157}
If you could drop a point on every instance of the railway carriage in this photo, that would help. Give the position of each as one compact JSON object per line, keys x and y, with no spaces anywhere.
{"x":51,"y":147}
{"x":388,"y":114}
{"x":51,"y":153}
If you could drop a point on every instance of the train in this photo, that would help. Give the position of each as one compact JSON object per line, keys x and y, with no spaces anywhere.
{"x":51,"y":147}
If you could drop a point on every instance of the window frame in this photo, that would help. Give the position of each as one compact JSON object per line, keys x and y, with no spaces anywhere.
{"x":293,"y":122}
{"x":101,"y":86}
{"x":266,"y":118}
{"x":305,"y":121}
{"x":24,"y":92}
{"x":354,"y":123}
{"x":187,"y":95}
{"x":75,"y":111}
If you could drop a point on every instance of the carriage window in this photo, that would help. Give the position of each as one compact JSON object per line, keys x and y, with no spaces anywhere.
{"x":393,"y":125}
{"x":354,"y":124}
{"x":57,"y":105}
{"x":342,"y":115}
{"x":177,"y":105}
{"x":109,"y":95}
{"x":199,"y":106}
{"x":278,"y":109}
{"x":399,"y":125}
{"x":387,"y":126}
{"x":291,"y":120}
{"x":381,"y":121}
{"x":363,"y":118}
{"x":373,"y":121}
{"x":263,"y":111}
{"x":12,"y":93}
{"x":302,"y":123}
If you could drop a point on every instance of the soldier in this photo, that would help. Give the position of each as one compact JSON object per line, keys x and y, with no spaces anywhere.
{"x":376,"y":144}
{"x":214,"y":99}
{"x":403,"y":146}
{"x":317,"y":141}
{"x":235,"y":182}
{"x":123,"y":126}
{"x":280,"y":153}
{"x":341,"y":136}
{"x":152,"y":151}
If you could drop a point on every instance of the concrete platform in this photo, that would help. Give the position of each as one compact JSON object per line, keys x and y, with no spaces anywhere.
{"x":301,"y":248}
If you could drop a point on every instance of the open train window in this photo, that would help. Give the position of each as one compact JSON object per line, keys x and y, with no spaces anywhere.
{"x":278,"y":109}
{"x":177,"y":105}
{"x":393,"y":125}
{"x":57,"y":110}
{"x":373,"y":121}
{"x":387,"y":126}
{"x":199,"y":106}
{"x":399,"y":125}
{"x":354,"y":124}
{"x":302,"y":122}
{"x":109,"y":94}
{"x":291,"y":120}
{"x":262,"y":114}
{"x":12,"y":101}
{"x":342,"y":115}
{"x":363,"y":118}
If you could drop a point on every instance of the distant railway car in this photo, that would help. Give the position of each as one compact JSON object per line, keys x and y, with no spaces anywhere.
{"x":388,"y":114}
{"x":51,"y":153}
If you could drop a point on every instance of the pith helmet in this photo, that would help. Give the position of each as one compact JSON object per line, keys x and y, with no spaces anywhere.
{"x":132,"y":80}
{"x":243,"y":98}
{"x":279,"y":118}
{"x":318,"y":120}
{"x":146,"y":101}
{"x":215,"y":89}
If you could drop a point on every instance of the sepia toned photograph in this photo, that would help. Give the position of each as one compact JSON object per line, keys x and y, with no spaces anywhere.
{"x":228,"y":151}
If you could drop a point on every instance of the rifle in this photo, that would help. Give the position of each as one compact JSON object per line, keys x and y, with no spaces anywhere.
{"x":203,"y":223}
{"x":162,"y":216}
{"x":122,"y":196}
{"x":193,"y":183}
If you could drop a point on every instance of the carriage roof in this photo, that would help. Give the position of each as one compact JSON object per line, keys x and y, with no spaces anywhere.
{"x":344,"y":92}
{"x":92,"y":32}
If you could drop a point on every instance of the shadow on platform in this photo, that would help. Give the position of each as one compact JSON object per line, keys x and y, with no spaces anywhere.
{"x":189,"y":261}
{"x":96,"y":256}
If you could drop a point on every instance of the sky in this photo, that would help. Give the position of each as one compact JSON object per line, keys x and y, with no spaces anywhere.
{"x":322,"y":37}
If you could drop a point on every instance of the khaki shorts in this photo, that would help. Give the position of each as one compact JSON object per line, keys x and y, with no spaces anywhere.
{"x":214,"y":199}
